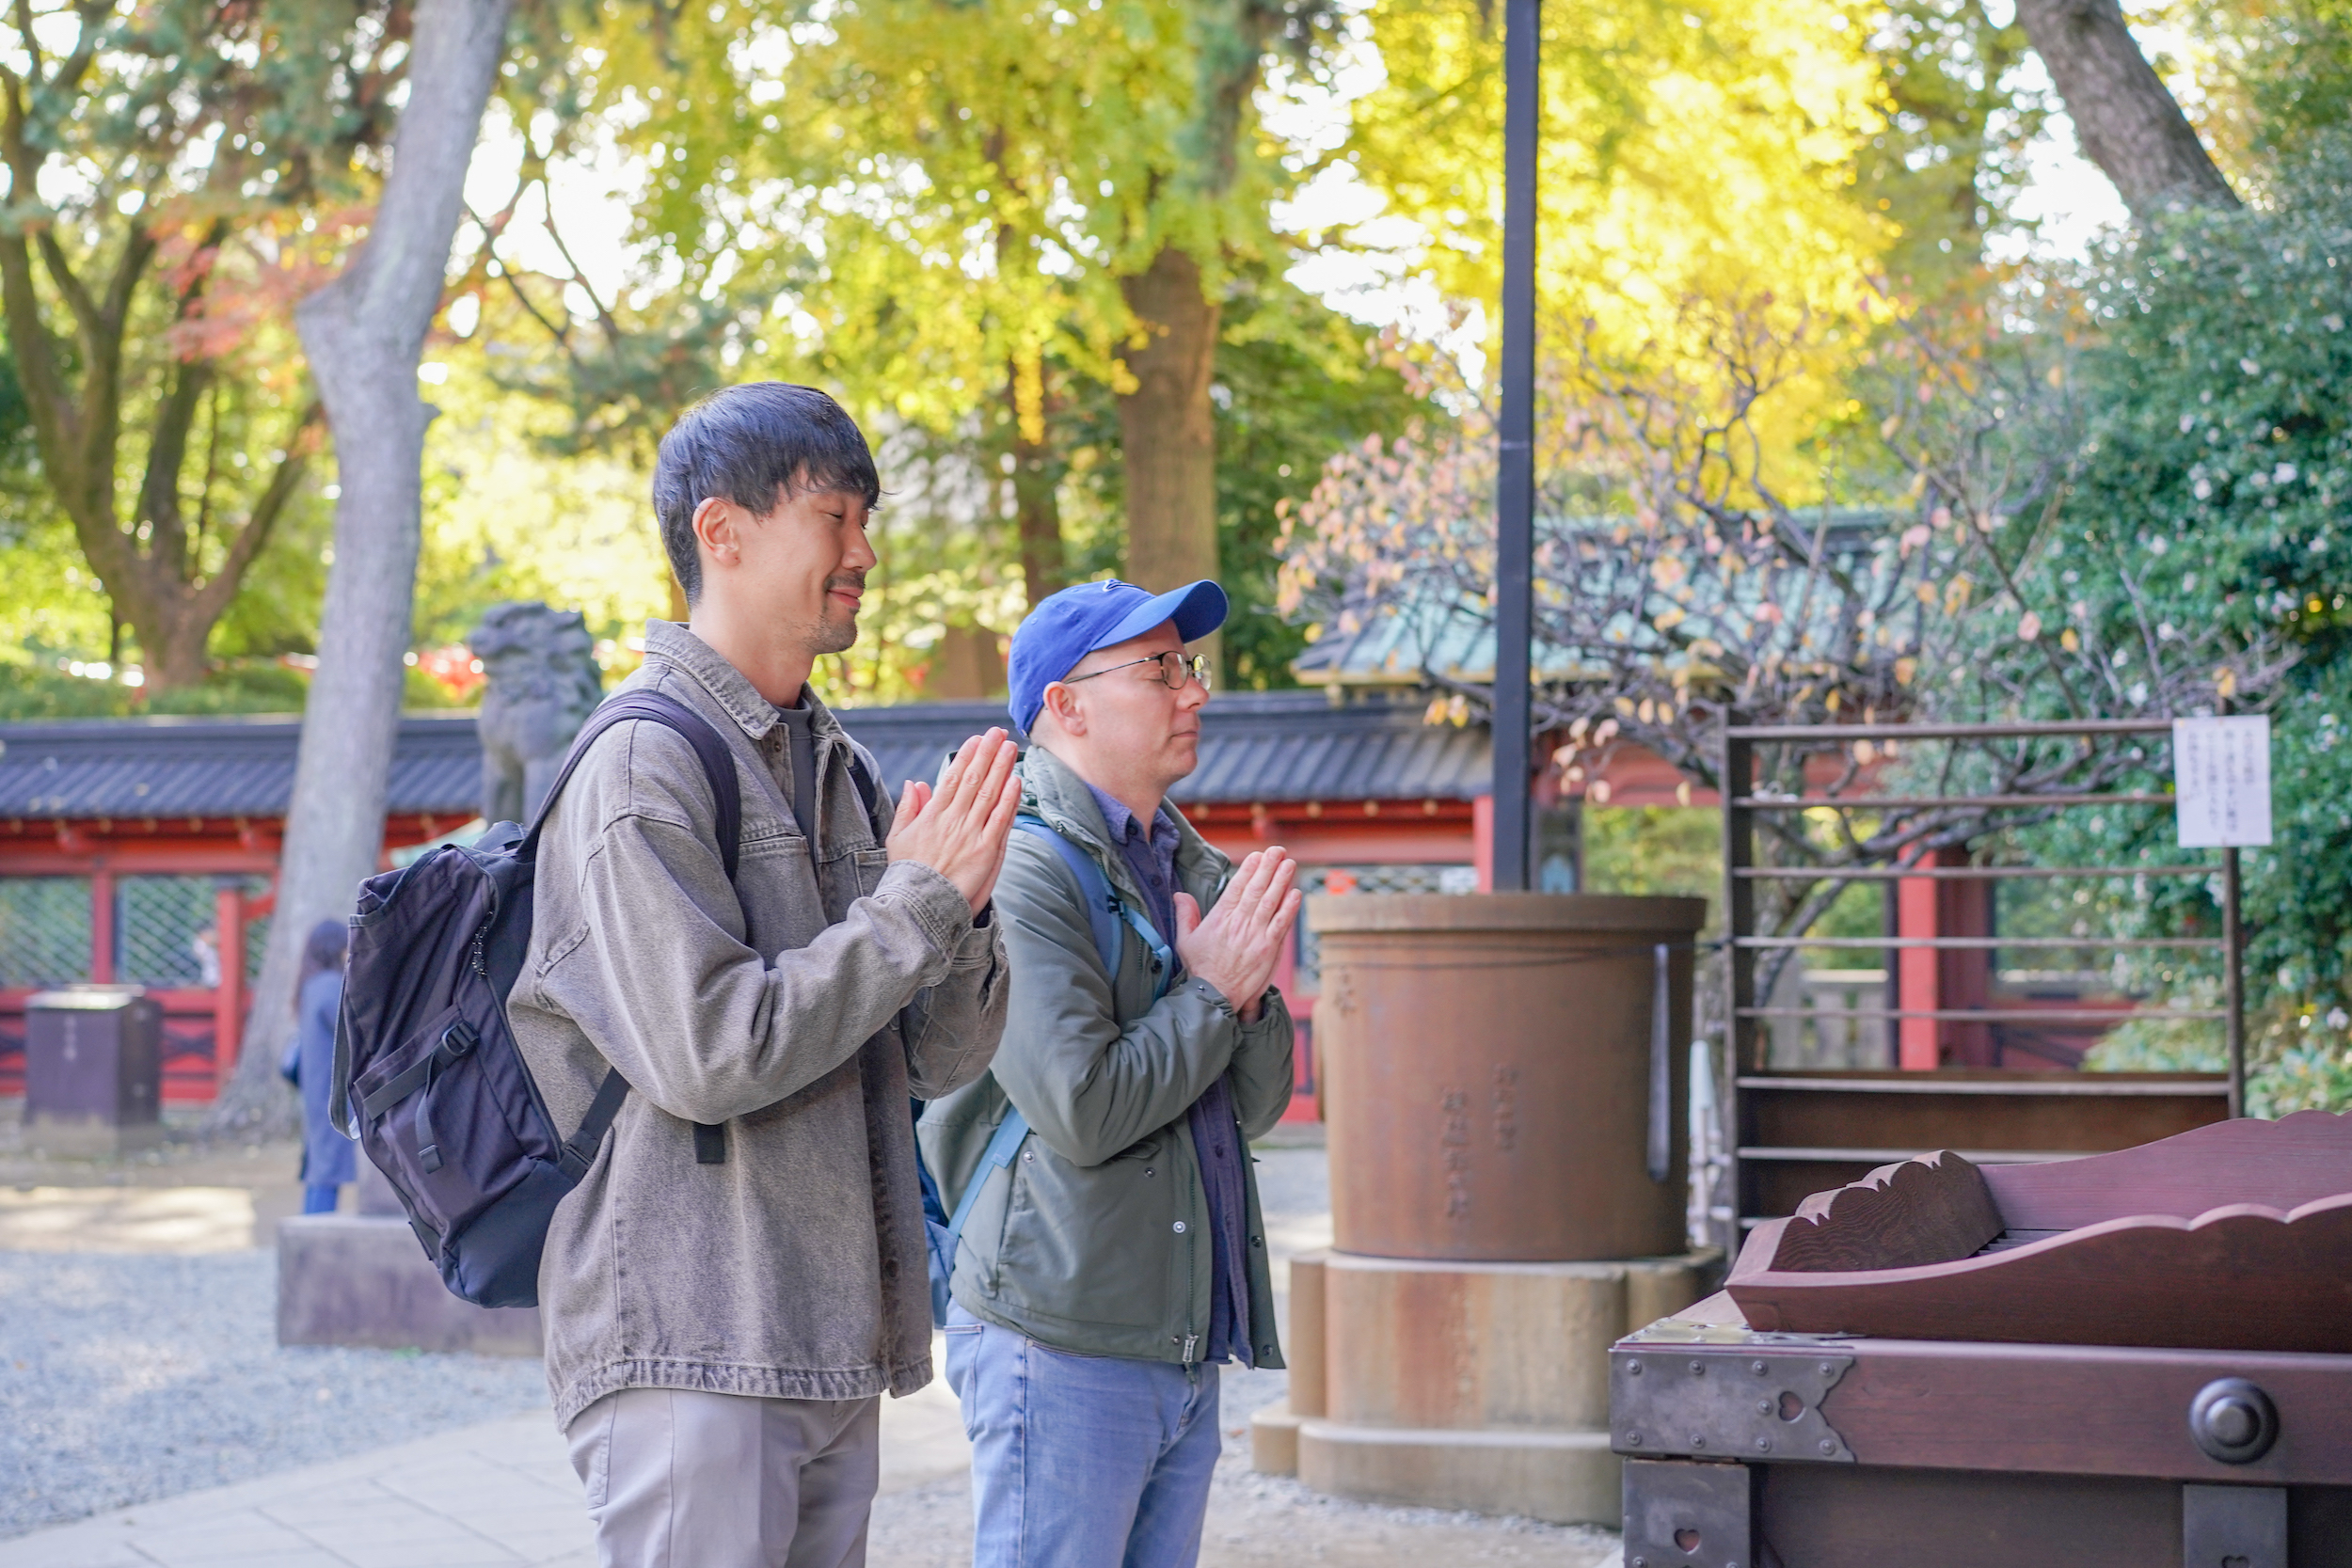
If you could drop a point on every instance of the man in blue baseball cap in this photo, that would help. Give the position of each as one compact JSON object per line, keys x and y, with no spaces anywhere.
{"x":1110,"y":1253}
{"x":1083,"y":620}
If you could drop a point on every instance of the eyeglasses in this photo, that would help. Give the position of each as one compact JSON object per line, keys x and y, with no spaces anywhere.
{"x":1175,"y":668}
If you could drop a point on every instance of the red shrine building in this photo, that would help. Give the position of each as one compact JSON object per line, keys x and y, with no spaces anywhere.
{"x":144,"y":851}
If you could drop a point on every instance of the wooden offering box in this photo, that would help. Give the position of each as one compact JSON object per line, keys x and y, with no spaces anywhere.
{"x":2140,"y":1360}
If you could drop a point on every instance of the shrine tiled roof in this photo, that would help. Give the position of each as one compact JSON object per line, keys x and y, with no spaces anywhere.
{"x":1257,"y":746}
{"x":214,"y":766}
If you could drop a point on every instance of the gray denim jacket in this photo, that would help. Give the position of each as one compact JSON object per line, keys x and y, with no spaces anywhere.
{"x":799,"y":1007}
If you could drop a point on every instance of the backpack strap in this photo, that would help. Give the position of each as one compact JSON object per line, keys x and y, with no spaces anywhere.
{"x":868,"y":792}
{"x":726,"y":793}
{"x":338,"y":1086}
{"x":718,"y":764}
{"x":1105,"y":910}
{"x":580,"y":1149}
{"x":996,"y":1156}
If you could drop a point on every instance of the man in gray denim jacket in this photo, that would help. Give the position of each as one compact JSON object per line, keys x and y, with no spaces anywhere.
{"x":724,"y":1307}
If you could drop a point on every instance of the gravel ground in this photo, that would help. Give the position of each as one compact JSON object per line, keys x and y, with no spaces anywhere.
{"x":1257,"y":1521}
{"x":125,"y":1379}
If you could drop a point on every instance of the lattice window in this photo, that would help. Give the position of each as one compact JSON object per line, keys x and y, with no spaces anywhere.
{"x":164,"y":928}
{"x":167,"y":929}
{"x":44,"y":931}
{"x":1369,"y":878}
{"x":256,"y":939}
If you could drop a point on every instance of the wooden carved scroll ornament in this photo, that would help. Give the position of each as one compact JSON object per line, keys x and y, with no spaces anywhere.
{"x":2235,"y":1236}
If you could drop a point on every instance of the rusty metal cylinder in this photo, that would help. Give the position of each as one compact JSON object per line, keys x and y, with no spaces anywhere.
{"x":1496,"y":1083}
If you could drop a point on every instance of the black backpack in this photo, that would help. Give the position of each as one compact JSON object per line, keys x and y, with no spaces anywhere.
{"x":445,"y":1106}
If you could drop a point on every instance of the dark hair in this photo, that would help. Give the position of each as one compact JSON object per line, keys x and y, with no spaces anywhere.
{"x":323,"y":949}
{"x":745,"y":444}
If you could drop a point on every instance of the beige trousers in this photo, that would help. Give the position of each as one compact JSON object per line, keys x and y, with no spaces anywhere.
{"x":677,"y":1479}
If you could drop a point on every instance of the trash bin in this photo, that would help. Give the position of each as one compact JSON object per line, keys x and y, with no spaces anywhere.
{"x":93,"y":1070}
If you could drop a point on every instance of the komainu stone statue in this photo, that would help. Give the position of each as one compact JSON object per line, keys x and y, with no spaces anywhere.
{"x":544,"y":683}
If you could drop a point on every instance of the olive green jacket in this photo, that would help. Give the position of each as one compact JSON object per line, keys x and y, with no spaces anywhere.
{"x":1096,"y":1238}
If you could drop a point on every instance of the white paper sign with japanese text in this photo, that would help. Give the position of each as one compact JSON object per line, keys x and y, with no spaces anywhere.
{"x":2221,"y":769}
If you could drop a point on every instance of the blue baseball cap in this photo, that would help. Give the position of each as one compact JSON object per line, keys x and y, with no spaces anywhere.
{"x":1073,"y":623}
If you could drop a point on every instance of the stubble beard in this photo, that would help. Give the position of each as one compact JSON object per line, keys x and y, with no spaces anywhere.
{"x":834,"y":631}
{"x":832,"y":635}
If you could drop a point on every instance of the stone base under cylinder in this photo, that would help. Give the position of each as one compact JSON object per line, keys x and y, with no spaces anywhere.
{"x":1462,"y":1386}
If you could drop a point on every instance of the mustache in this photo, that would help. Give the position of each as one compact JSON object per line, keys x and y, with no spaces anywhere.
{"x":846,"y":579}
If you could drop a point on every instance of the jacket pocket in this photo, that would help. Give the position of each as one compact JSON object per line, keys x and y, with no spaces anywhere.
{"x":1090,"y":1245}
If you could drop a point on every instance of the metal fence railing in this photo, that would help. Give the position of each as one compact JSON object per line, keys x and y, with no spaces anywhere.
{"x":1788,"y":1128}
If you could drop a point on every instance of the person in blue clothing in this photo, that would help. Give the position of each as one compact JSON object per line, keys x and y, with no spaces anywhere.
{"x":328,"y":1160}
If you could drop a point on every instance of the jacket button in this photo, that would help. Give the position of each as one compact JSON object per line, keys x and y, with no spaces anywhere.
{"x":1179,"y":1227}
{"x":1147,"y":1171}
{"x":1029,"y":1155}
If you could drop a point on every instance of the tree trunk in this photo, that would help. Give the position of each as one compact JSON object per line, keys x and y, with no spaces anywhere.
{"x":363,"y":334}
{"x":155,"y":590}
{"x":1036,"y":504}
{"x":173,"y":653}
{"x":2127,"y":119}
{"x":1168,"y":427}
{"x":151,"y":570}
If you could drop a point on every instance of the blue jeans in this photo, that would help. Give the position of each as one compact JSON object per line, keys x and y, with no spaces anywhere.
{"x":1081,"y":1461}
{"x":319,"y":1197}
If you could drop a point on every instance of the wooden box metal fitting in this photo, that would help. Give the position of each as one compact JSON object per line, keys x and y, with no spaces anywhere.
{"x":1765,"y":1405}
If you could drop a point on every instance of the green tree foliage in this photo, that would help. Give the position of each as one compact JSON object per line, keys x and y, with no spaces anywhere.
{"x":931,"y":212}
{"x":177,"y":172}
{"x":2266,"y":75}
{"x":2203,"y":473}
{"x":1705,"y":149}
{"x":1950,"y":155}
{"x":1295,"y":382}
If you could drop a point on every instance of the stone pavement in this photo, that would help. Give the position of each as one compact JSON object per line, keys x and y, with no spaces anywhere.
{"x":126,"y":1219}
{"x":502,"y":1493}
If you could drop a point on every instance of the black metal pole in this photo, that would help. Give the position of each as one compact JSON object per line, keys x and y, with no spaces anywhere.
{"x":2232,"y":967}
{"x":2234,"y":980}
{"x":1514,"y":508}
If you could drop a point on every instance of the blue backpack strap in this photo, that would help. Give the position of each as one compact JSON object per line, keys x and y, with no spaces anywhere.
{"x":943,"y":1242}
{"x":1163,"y":957}
{"x":1102,"y":906}
{"x":996,"y":1156}
{"x":1104,"y":909}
